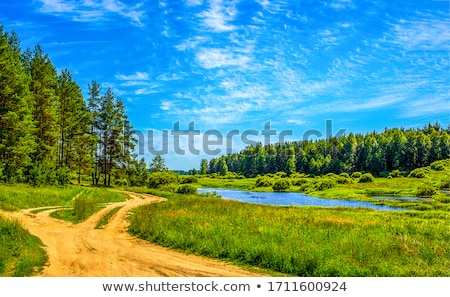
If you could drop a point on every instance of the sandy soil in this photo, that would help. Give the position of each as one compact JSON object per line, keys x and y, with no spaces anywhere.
{"x":81,"y":250}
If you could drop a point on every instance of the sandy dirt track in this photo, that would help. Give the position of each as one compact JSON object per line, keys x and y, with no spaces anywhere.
{"x":81,"y":250}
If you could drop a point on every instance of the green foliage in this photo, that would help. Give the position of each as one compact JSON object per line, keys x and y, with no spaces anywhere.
{"x":438,"y":165}
{"x":324,"y":184}
{"x":395,"y":173}
{"x":418,"y":173}
{"x":263,"y":181}
{"x":189,"y":179}
{"x":344,"y":180}
{"x":187,"y":189}
{"x":345,"y":175}
{"x":158,"y":179}
{"x":172,"y":188}
{"x":281,"y":185}
{"x":366,"y":178}
{"x":158,"y":164}
{"x":425,"y":190}
{"x":299,"y":181}
{"x":356,"y":175}
{"x":445,"y":183}
{"x":21,"y":254}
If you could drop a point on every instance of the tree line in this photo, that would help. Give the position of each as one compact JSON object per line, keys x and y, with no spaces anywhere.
{"x":49,"y":133}
{"x":377,"y":153}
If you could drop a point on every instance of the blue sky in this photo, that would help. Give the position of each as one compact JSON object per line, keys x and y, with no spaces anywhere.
{"x":235,"y":65}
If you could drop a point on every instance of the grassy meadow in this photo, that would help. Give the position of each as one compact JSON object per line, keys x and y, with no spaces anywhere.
{"x":312,"y":241}
{"x":303,"y":241}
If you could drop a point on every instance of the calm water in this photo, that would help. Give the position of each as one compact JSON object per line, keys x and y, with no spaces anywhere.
{"x":289,"y":198}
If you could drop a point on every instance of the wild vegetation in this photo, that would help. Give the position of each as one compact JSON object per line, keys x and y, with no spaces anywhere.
{"x":304,"y":241}
{"x":21,"y":254}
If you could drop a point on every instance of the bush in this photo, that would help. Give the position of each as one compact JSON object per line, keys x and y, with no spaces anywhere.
{"x":324,"y":184}
{"x":189,"y":179}
{"x":438,"y":165}
{"x":157,"y":179}
{"x":173,"y":188}
{"x":331,"y":175}
{"x":187,"y":189}
{"x":356,"y":174}
{"x":445,"y":183}
{"x":395,"y":173}
{"x":418,"y":173}
{"x":300,"y":181}
{"x":425,"y":191}
{"x":281,"y":174}
{"x":263,"y":182}
{"x":366,"y":178}
{"x":344,"y":174}
{"x":344,"y":180}
{"x":281,"y":185}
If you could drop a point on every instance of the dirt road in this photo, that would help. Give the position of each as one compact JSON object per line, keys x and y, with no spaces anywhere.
{"x":81,"y":250}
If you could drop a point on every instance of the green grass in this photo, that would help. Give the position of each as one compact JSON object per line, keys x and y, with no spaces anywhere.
{"x":87,"y":203}
{"x":21,"y":254}
{"x":23,"y":196}
{"x":105,"y":219}
{"x":303,"y":241}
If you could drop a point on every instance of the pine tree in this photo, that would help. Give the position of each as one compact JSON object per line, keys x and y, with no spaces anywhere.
{"x":43,"y":88}
{"x":16,"y":122}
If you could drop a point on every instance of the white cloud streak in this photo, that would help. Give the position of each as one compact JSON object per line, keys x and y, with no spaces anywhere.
{"x":94,"y":10}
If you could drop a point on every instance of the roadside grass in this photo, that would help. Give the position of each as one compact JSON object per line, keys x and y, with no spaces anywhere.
{"x":105,"y":219}
{"x":302,"y":241}
{"x":87,"y":203}
{"x":21,"y":254}
{"x":23,"y":196}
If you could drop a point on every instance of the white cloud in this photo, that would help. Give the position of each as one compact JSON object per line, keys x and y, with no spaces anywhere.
{"x":137,"y":76}
{"x":426,"y":34}
{"x":214,"y":58}
{"x":93,"y":10}
{"x":341,"y":4}
{"x":219,"y":16}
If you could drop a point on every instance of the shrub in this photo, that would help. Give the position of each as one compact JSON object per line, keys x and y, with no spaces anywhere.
{"x":157,"y":179}
{"x":366,"y":178}
{"x":344,"y":174}
{"x":438,"y":165}
{"x":344,"y":180}
{"x":418,"y":173}
{"x":395,"y":173}
{"x":356,"y":174}
{"x":173,"y":188}
{"x":189,"y":179}
{"x":187,"y":189}
{"x":263,"y":182}
{"x":445,"y":183}
{"x":331,"y":175}
{"x":281,"y":185}
{"x":425,"y":191}
{"x":300,"y":181}
{"x":281,"y":174}
{"x":324,"y":184}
